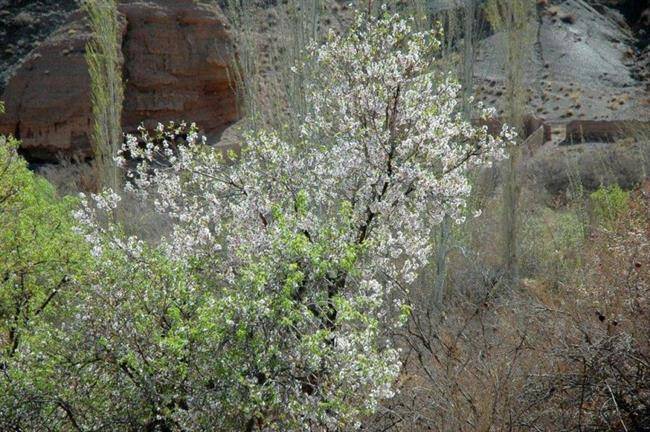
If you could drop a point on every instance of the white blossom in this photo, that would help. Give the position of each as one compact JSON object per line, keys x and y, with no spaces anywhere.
{"x":325,"y":227}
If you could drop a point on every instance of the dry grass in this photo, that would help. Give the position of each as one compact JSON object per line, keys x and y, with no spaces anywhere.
{"x":562,"y":351}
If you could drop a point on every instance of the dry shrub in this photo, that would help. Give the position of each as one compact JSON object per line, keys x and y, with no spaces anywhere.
{"x":603,"y":356}
{"x":71,"y":175}
{"x":545,"y":356}
{"x":592,"y":165}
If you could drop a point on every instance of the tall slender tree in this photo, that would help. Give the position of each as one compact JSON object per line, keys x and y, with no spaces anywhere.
{"x":104,"y":59}
{"x":515,"y":19}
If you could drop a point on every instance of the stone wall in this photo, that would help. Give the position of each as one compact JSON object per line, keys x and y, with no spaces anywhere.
{"x":530,"y":122}
{"x":580,"y":131}
{"x":534,"y":142}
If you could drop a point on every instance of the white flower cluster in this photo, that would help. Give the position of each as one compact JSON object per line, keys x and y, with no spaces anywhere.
{"x":322,"y":228}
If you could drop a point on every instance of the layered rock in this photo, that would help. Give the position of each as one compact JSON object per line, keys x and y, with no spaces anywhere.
{"x":176,"y":59}
{"x":48,"y":97}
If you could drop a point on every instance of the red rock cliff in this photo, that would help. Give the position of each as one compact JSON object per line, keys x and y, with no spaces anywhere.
{"x":176,"y":59}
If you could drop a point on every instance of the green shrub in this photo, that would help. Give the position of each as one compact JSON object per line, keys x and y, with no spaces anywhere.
{"x":39,"y":253}
{"x":551,"y":241}
{"x":41,"y":258}
{"x":608,"y":203}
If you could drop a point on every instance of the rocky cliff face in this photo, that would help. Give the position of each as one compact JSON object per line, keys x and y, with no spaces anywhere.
{"x":588,"y":61}
{"x":47,"y":97}
{"x":177,"y":55}
{"x":176,"y":59}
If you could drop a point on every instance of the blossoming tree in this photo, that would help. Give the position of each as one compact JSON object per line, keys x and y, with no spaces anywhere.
{"x":267,"y":304}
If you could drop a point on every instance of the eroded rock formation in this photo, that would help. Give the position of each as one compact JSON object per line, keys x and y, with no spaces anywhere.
{"x":48,"y":96}
{"x":176,"y":59}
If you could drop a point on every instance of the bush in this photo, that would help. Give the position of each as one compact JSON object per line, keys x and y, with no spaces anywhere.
{"x":602,"y":353}
{"x":39,"y":253}
{"x":41,"y":260}
{"x":551,"y":243}
{"x":547,"y":356}
{"x":608,"y":204}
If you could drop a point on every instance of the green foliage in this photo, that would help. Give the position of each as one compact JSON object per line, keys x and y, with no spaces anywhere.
{"x":39,"y":254}
{"x":80,"y":359}
{"x":41,"y":259}
{"x":142,"y":342}
{"x":551,"y":244}
{"x":609,"y":203}
{"x":104,"y":59}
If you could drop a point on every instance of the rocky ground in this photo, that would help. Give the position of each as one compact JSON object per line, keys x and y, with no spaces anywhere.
{"x":584,"y":64}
